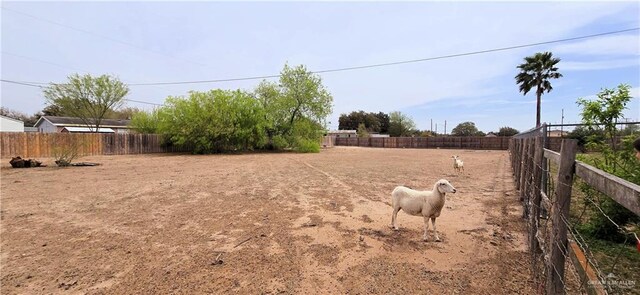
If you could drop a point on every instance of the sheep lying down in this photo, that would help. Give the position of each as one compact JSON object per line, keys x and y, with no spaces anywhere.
{"x":427,"y":204}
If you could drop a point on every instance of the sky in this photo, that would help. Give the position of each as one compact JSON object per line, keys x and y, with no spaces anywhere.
{"x":166,"y":41}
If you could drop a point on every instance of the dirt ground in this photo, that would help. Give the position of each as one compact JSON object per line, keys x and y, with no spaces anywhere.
{"x":261,"y":224}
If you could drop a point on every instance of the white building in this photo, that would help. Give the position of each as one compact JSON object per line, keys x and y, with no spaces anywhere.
{"x":49,"y":124}
{"x":342,"y":133}
{"x":10,"y":125}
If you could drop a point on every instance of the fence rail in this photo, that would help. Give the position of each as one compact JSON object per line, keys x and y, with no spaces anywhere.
{"x":27,"y":144}
{"x":560,"y":256}
{"x":453,"y":142}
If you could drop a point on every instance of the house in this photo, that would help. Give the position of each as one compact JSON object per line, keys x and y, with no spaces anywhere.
{"x":343,"y":133}
{"x":51,"y":124}
{"x":10,"y":124}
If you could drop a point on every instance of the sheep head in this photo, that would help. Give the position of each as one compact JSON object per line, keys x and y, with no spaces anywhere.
{"x":444,"y":186}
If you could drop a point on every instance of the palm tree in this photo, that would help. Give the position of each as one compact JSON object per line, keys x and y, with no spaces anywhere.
{"x":536,"y":71}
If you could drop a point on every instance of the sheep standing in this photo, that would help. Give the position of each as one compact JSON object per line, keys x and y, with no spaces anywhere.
{"x":425,"y":203}
{"x":457,"y":164}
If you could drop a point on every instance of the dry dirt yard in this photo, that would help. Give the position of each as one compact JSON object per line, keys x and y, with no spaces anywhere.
{"x":261,"y":224}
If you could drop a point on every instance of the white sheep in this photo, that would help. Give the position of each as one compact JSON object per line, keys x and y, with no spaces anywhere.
{"x":457,"y":164}
{"x":425,"y":203}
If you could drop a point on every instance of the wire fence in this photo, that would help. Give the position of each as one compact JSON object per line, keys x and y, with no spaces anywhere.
{"x":563,"y":258}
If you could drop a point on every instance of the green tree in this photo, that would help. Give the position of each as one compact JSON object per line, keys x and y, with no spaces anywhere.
{"x":465,"y":129}
{"x":536,"y":72}
{"x":362,"y":131}
{"x":275,"y":114}
{"x":353,"y":120}
{"x":606,"y":110}
{"x":584,"y":134}
{"x":600,"y":117}
{"x":125,"y":113}
{"x":52,"y":110}
{"x":400,"y":124}
{"x":299,"y":100}
{"x":507,"y":131}
{"x":214,"y":121}
{"x":384,"y":122}
{"x":88,"y":98}
{"x":145,"y":122}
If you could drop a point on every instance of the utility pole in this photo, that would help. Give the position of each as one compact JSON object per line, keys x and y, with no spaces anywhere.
{"x":445,"y":127}
{"x":561,"y":124}
{"x":436,"y":128}
{"x":431,"y":128}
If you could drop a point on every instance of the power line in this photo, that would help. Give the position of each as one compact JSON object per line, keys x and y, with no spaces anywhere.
{"x":99,"y":35}
{"x":380,"y":64}
{"x":54,"y":64}
{"x":42,"y":61}
{"x":22,"y":83}
{"x":398,"y":62}
{"x":356,"y":67}
{"x":41,"y":87}
{"x":139,"y":101}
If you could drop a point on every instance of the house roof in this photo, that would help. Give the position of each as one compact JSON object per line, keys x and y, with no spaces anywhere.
{"x":87,"y":129}
{"x":73,"y":121}
{"x":12,"y":119}
{"x":342,"y":131}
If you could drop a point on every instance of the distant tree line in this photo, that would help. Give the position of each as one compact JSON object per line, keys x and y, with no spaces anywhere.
{"x":399,"y":124}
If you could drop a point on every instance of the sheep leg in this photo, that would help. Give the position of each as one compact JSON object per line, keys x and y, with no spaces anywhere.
{"x":435,"y":232}
{"x":393,"y":218}
{"x":426,"y":229}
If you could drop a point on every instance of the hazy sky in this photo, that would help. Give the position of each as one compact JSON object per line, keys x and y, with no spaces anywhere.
{"x":142,"y":42}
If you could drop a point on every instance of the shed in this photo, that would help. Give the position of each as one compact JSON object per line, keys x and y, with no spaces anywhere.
{"x":10,"y":124}
{"x":86,"y":130}
{"x":51,"y":124}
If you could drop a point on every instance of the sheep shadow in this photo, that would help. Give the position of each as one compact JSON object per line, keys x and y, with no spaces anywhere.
{"x":402,"y":239}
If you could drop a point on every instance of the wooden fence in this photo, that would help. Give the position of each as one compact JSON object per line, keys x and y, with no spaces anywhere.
{"x":33,"y":144}
{"x":451,"y":142}
{"x":552,"y":240}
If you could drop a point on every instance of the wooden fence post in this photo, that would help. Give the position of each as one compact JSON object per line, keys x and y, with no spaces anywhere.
{"x":516,"y":156}
{"x":528,"y":176}
{"x":523,"y":167}
{"x":560,"y":215}
{"x":535,"y":201}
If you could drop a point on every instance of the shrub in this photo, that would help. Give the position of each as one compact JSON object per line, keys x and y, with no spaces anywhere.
{"x":307,"y":146}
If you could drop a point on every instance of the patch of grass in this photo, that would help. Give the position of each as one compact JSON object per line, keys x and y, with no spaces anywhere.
{"x":622,"y":260}
{"x":617,"y":257}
